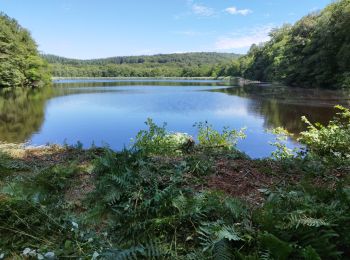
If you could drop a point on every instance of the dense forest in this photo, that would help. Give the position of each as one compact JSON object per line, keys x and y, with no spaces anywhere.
{"x":20,"y":63}
{"x":315,"y":52}
{"x":204,"y":64}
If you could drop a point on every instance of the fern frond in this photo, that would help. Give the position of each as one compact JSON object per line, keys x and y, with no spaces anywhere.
{"x":222,"y":250}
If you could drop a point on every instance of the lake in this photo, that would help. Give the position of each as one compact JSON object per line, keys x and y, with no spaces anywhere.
{"x":111,"y":112}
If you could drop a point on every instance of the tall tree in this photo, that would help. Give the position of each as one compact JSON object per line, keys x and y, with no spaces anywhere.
{"x":20,"y":63}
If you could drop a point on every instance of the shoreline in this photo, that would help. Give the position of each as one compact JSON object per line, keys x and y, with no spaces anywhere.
{"x":141,"y":78}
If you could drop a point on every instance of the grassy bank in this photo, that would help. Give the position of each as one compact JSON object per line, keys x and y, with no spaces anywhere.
{"x":170,"y":198}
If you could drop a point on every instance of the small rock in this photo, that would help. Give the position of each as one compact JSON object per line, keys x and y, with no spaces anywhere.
{"x":50,"y":255}
{"x":26,"y":251}
{"x":32,"y":253}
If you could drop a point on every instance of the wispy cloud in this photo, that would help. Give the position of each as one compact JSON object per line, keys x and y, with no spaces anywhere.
{"x":202,"y":10}
{"x":234,"y":10}
{"x":244,"y":39}
{"x":197,"y":9}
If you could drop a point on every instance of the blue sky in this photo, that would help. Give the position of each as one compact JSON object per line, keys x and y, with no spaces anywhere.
{"x":104,"y":28}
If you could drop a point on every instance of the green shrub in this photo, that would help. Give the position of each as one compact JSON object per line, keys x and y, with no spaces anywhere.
{"x":282,"y":152}
{"x":211,"y":138}
{"x":158,"y":141}
{"x":330,"y":142}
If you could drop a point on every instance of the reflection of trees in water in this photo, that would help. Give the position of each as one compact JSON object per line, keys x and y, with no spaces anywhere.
{"x":289,"y":115}
{"x":111,"y":83}
{"x":22,"y":112}
{"x":281,"y":106}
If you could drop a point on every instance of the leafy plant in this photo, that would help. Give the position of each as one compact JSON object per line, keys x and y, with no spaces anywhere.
{"x":211,"y":138}
{"x":282,"y":152}
{"x":330,"y":142}
{"x":158,"y":141}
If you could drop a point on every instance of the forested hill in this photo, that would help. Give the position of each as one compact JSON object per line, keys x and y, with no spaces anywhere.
{"x":199,"y":64}
{"x":315,"y":52}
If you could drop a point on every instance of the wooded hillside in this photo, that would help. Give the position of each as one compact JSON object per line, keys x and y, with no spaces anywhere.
{"x":315,"y":52}
{"x":202,"y":64}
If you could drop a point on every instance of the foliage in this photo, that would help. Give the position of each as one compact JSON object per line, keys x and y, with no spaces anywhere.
{"x":211,"y":138}
{"x":330,"y":142}
{"x":20,"y":63}
{"x":33,"y":213}
{"x":282,"y":152}
{"x":312,"y":53}
{"x":158,"y":141}
{"x":202,"y":64}
{"x":307,"y":221}
{"x":144,"y":200}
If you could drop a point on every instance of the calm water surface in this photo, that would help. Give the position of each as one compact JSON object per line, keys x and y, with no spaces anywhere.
{"x":112,"y":112}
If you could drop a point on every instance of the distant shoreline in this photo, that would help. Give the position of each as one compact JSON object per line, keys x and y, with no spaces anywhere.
{"x":148,"y":78}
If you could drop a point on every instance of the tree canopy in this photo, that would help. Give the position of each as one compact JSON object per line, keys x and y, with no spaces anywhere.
{"x":201,"y":64}
{"x":20,"y":63}
{"x":315,"y":52}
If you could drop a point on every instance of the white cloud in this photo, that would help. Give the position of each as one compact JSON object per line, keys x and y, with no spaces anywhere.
{"x":197,"y":9}
{"x":202,"y":10}
{"x":234,"y":10}
{"x":244,"y":39}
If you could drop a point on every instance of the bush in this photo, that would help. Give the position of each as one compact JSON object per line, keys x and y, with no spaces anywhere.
{"x":211,"y":138}
{"x":282,"y":152}
{"x":331,"y":142}
{"x":158,"y":141}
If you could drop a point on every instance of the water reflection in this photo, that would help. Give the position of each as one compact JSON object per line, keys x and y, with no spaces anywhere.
{"x":113,"y":111}
{"x":283,"y":106}
{"x":22,"y":113}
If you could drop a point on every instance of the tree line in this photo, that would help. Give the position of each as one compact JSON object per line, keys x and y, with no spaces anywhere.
{"x":201,"y":64}
{"x":314,"y":52}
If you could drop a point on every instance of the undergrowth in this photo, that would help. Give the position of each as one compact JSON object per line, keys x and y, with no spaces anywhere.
{"x":151,"y":202}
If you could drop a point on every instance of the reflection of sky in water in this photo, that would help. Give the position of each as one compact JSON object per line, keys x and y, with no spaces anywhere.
{"x":114,"y":115}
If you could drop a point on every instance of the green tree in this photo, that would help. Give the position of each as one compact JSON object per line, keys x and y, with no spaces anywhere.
{"x":315,"y":52}
{"x":20,"y":63}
